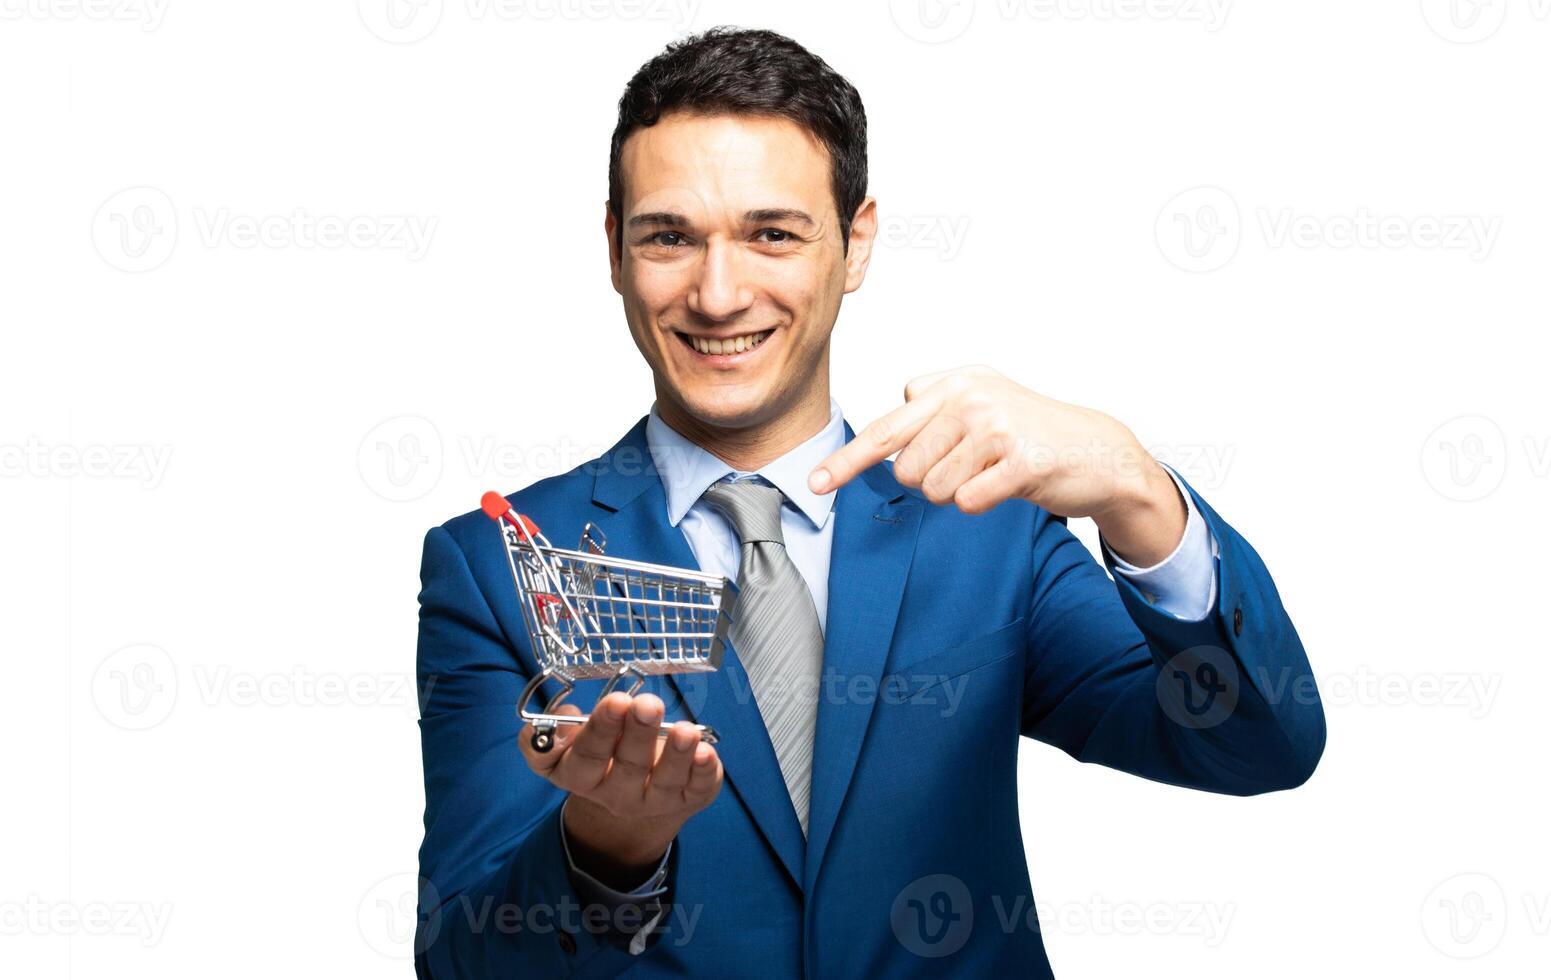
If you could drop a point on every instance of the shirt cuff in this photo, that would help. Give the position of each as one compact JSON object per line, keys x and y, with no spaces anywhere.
{"x":1184,"y":584}
{"x":646,"y":897}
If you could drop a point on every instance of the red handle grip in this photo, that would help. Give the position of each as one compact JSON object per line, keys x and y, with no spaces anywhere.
{"x":496,"y":507}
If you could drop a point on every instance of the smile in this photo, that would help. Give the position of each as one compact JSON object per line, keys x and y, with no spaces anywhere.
{"x":725,"y":346}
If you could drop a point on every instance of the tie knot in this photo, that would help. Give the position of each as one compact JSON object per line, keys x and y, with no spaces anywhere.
{"x":754,"y":509}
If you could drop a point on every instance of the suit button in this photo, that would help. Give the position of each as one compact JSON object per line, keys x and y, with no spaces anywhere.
{"x":1238,"y":621}
{"x":567,"y":941}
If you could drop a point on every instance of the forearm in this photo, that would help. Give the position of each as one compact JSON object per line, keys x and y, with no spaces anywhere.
{"x":1147,"y":519}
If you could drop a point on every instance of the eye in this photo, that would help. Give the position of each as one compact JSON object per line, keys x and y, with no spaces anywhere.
{"x":781,"y":236}
{"x":666,"y":239}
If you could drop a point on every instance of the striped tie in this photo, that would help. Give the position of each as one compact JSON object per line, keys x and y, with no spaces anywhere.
{"x":775,"y":631}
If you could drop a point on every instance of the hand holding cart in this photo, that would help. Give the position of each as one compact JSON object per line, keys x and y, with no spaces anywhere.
{"x":592,"y":617}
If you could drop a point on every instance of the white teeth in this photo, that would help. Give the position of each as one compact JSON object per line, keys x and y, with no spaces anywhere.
{"x":732,"y":345}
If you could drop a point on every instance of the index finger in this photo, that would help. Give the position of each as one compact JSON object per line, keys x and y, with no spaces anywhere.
{"x":875,"y":443}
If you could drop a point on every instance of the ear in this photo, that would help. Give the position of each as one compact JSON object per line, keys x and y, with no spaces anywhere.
{"x":864,"y":231}
{"x":615,"y":258}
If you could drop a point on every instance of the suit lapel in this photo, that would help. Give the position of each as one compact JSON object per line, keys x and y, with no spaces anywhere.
{"x":876,"y":524}
{"x":628,"y":487}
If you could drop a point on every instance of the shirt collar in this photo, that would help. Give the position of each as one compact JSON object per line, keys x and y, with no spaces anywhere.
{"x":687,"y":470}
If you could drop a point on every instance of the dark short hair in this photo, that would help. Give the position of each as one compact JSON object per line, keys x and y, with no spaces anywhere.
{"x":728,"y":70}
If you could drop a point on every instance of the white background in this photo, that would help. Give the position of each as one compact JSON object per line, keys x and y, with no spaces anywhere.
{"x":1299,"y":248}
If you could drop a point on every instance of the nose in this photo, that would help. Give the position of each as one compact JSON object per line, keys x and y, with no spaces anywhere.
{"x":720,"y":289}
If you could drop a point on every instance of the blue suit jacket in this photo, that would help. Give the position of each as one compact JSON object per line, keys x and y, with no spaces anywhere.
{"x":948,"y":637}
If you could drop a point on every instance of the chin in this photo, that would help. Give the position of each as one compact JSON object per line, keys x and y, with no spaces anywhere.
{"x":728,"y":408}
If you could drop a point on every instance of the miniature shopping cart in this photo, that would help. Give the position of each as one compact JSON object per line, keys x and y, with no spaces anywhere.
{"x":592,"y":617}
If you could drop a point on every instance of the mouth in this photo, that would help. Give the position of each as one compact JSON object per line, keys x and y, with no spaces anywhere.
{"x":725,"y":350}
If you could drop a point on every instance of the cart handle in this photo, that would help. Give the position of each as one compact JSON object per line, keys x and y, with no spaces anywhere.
{"x":496,"y":507}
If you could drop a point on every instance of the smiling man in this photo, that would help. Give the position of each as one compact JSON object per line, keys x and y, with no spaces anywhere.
{"x":898,"y":625}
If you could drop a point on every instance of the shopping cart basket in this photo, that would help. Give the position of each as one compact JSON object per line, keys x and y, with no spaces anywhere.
{"x":591,"y":617}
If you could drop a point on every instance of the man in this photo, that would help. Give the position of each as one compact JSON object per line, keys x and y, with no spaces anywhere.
{"x":897,"y":626}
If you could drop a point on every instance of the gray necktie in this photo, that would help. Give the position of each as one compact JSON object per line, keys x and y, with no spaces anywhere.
{"x":775,"y":631}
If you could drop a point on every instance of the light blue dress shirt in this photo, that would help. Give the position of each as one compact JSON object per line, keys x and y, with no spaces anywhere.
{"x":1184,"y":584}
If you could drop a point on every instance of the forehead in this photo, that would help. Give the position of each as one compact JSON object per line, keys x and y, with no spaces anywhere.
{"x":692,"y":161}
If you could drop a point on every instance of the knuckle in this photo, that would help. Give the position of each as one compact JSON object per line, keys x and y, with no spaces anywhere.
{"x":880,"y":432}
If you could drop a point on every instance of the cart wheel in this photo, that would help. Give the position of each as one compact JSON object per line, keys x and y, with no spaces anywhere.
{"x":543,"y":739}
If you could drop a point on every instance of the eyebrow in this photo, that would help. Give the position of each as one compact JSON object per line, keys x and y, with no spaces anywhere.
{"x":659,"y":218}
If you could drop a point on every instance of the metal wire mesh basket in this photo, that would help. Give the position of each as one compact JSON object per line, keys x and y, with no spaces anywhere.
{"x":592,"y":617}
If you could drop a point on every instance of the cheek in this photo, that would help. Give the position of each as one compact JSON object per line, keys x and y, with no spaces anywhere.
{"x":655,"y":286}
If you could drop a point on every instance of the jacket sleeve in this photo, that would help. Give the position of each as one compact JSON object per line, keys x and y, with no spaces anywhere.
{"x":496,"y":899}
{"x":1225,"y":703}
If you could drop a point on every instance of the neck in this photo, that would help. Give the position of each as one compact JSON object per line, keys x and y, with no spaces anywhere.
{"x":747,"y":448}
